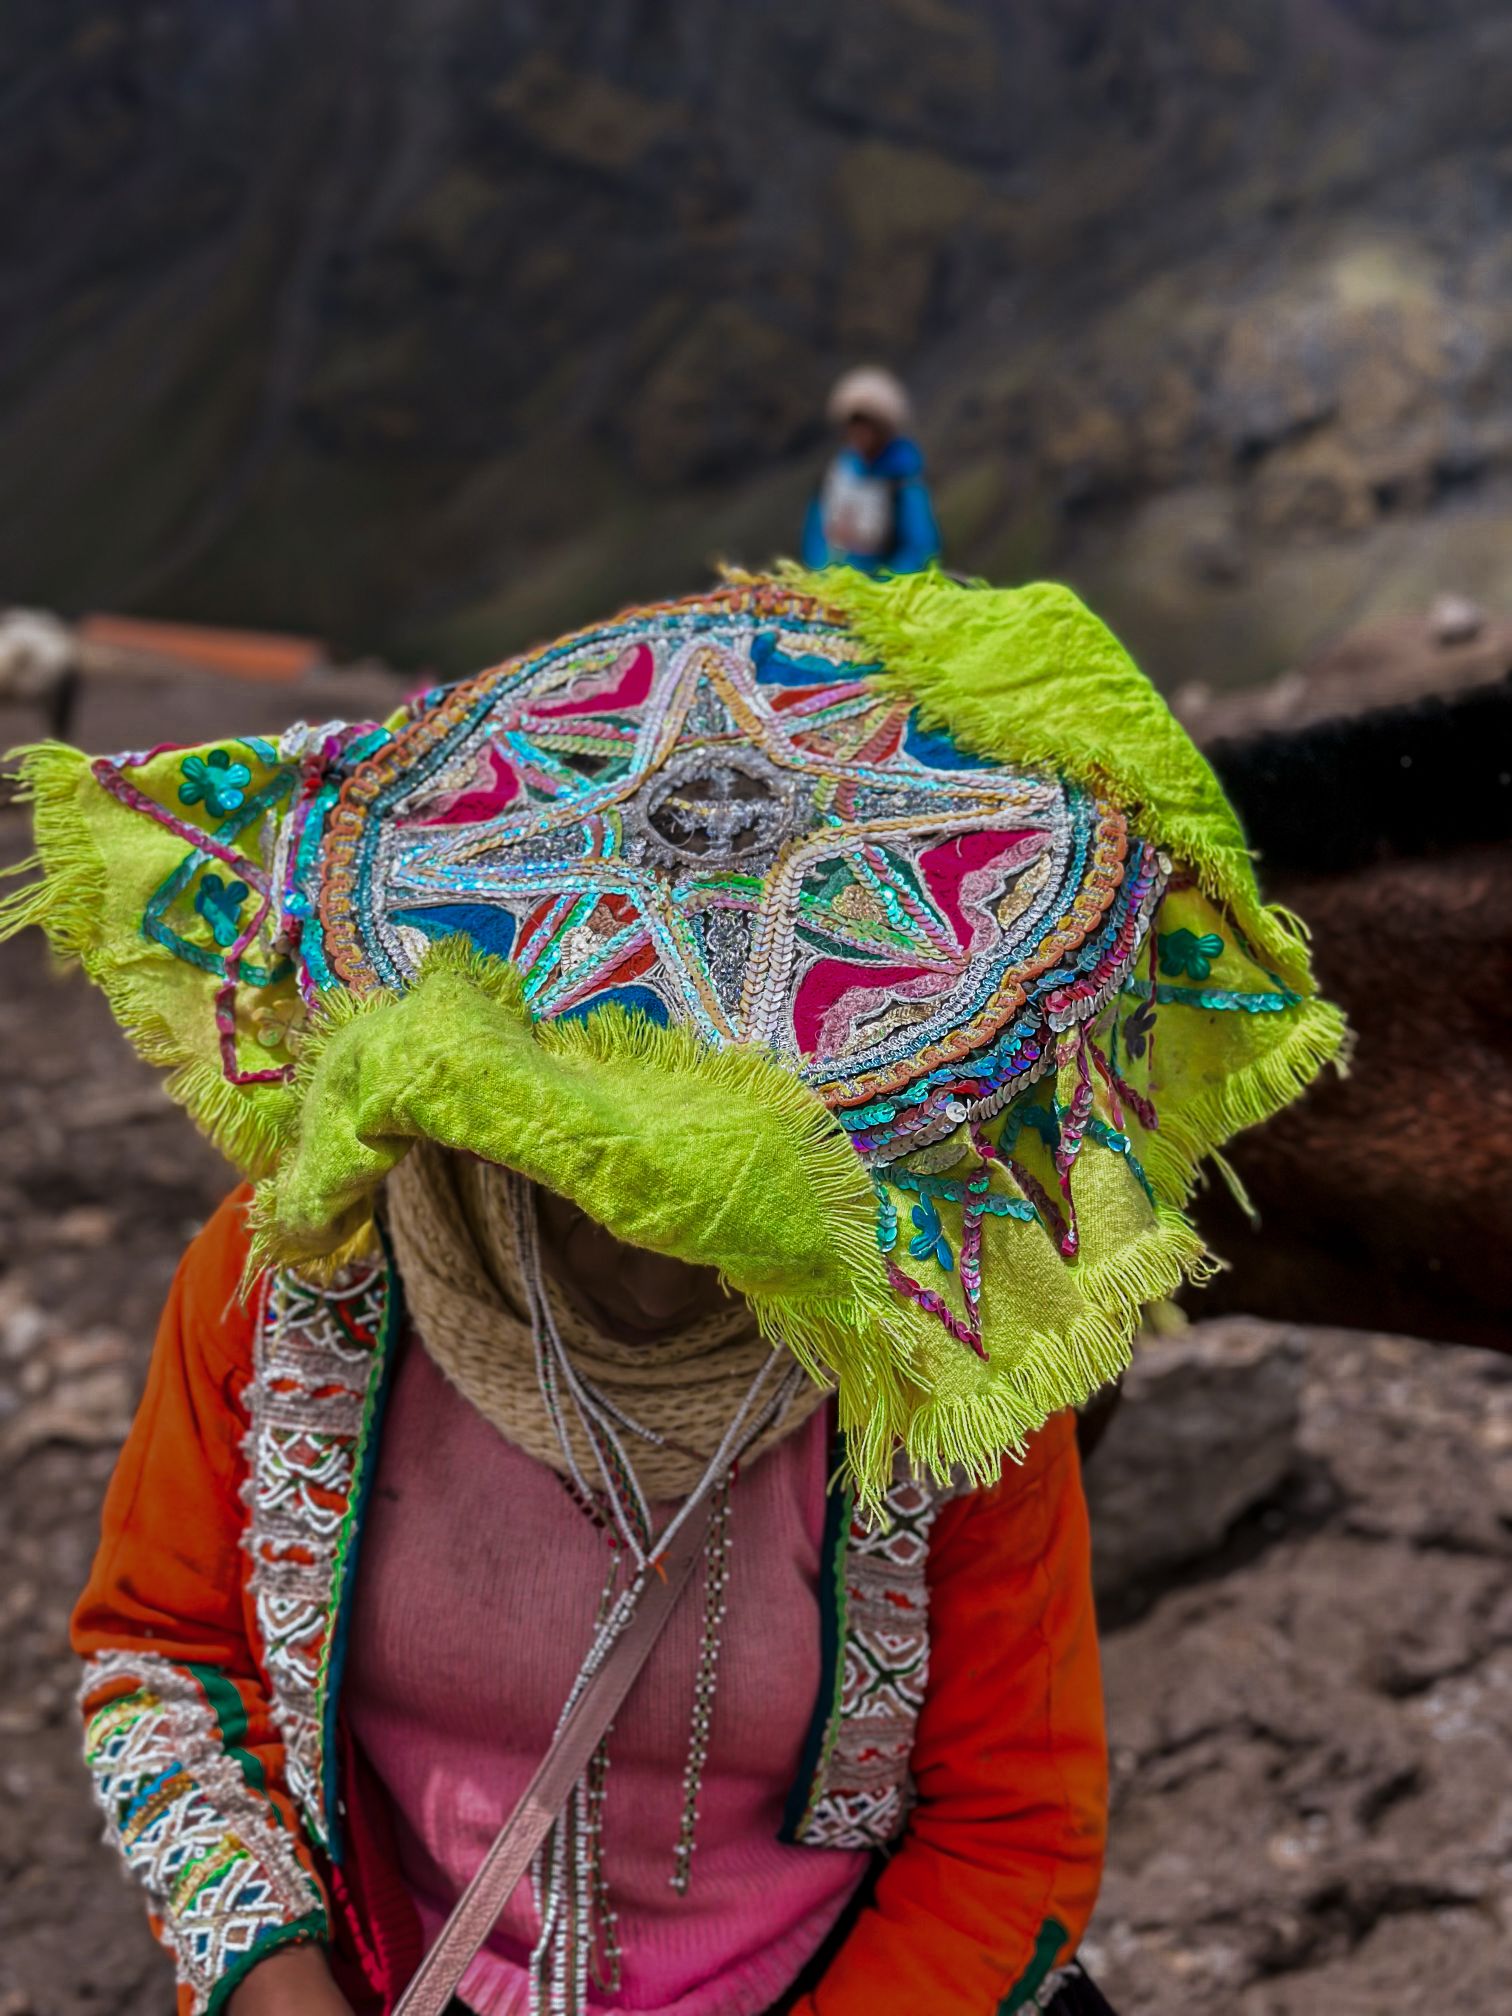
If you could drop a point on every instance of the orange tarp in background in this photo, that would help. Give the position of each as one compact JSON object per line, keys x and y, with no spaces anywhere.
{"x":238,"y":654}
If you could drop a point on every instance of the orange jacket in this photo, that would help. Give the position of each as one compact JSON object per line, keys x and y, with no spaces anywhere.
{"x":198,"y":1648}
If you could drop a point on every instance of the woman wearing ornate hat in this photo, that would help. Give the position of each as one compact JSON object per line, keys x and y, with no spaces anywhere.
{"x":604,"y":1513}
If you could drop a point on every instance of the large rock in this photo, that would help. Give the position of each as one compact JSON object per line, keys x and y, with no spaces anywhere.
{"x":1207,"y":1430}
{"x":1309,"y":1749}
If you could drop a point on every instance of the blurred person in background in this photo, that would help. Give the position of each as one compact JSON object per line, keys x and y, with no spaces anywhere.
{"x":872,"y":510}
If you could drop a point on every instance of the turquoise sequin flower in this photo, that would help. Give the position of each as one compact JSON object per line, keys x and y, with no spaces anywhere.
{"x":929,"y":1241}
{"x":215,"y":780}
{"x":1184,"y":952}
{"x":219,"y":903}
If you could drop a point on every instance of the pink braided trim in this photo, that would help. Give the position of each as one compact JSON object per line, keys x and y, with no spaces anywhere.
{"x":932,"y":1305}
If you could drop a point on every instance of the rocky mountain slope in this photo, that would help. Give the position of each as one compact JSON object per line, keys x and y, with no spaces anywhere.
{"x":430,"y":325}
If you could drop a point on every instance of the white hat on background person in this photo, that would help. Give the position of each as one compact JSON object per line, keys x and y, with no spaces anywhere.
{"x":870,"y":393}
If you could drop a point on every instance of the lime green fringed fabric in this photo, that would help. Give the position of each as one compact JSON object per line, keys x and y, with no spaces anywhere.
{"x":716,"y":1151}
{"x":772,"y":1194}
{"x":1030,"y":676}
{"x":723,"y":1159}
{"x":100,"y":867}
{"x":720,"y":1158}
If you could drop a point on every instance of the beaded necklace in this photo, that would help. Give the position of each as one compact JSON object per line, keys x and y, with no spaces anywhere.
{"x":579,"y":1926}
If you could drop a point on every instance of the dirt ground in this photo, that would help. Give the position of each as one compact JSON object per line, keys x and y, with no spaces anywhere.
{"x":1310,"y":1730}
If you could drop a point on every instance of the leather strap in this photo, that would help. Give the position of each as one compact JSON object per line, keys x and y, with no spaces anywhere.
{"x":510,"y":1857}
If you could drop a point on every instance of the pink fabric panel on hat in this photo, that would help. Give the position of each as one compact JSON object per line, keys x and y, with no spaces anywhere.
{"x":965,"y":870}
{"x":627,"y":684}
{"x":492,"y":786}
{"x":961,"y":875}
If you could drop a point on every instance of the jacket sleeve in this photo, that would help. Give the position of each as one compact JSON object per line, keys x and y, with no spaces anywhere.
{"x":179,"y":1738}
{"x":997,"y":1874}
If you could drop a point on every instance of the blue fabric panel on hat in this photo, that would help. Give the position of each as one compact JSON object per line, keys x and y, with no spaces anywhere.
{"x":491,"y":928}
{"x":635,"y":1000}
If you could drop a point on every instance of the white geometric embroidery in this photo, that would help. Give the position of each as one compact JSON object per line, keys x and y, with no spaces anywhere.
{"x":308,"y":1400}
{"x":862,"y":1793}
{"x":219,"y":1870}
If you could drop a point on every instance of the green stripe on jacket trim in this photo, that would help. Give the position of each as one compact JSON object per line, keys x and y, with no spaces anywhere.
{"x":1052,"y":1936}
{"x":311,"y":1930}
{"x":230,"y":1713}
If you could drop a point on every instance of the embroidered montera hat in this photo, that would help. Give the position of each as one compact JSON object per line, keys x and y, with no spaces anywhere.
{"x":886,"y":945}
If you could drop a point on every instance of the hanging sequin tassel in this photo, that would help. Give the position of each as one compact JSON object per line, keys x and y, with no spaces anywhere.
{"x":716,"y":1582}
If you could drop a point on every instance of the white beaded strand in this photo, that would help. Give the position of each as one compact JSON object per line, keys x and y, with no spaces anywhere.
{"x":578,"y":1925}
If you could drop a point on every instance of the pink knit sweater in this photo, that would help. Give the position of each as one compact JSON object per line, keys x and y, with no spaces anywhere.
{"x":476,"y":1592}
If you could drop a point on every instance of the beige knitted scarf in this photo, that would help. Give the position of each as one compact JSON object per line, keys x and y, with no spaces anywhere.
{"x":452,"y":1223}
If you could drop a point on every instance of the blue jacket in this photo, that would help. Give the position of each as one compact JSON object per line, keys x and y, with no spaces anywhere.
{"x":914,"y":537}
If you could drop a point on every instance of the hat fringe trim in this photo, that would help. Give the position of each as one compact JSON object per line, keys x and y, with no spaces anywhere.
{"x":1192,"y":1132}
{"x":67,"y":900}
{"x":856,"y":1340}
{"x":970,"y":1434}
{"x":1064,"y":1368}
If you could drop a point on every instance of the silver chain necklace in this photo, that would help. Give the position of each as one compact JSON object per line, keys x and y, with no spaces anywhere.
{"x":579,"y":1926}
